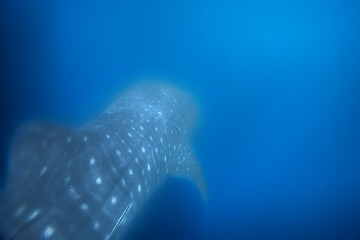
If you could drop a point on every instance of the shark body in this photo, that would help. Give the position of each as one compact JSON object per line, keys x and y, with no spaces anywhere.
{"x":88,"y":183}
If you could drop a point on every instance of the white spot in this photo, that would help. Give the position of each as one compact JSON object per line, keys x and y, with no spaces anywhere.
{"x":160,"y":113}
{"x":48,"y":232}
{"x":156,"y":129}
{"x":141,"y":128}
{"x":74,"y":193}
{"x":143,"y":149}
{"x":148,"y":167}
{"x":85,"y":139}
{"x":113,"y":200}
{"x":156,"y":150}
{"x":118,"y":152}
{"x":19,"y":211}
{"x":92,"y":161}
{"x":174,"y":147}
{"x":136,"y":160}
{"x":96,"y":225}
{"x":98,"y":180}
{"x":129,"y":150}
{"x":107,"y":136}
{"x":84,"y":206}
{"x":139,"y":188}
{"x":123,"y":182}
{"x":151,"y":138}
{"x":129,"y":134}
{"x":165,"y":159}
{"x":43,"y":170}
{"x":130,"y":171}
{"x":34,"y":214}
{"x":161,"y":140}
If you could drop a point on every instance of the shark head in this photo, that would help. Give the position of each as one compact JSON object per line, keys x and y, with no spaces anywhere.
{"x":88,"y":183}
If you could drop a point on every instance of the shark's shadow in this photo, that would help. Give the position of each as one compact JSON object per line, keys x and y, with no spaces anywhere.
{"x":175,"y":211}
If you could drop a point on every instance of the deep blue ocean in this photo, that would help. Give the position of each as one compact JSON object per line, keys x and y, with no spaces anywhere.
{"x":277,"y":84}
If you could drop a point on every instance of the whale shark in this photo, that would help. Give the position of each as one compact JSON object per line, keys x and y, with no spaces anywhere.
{"x":89,"y":182}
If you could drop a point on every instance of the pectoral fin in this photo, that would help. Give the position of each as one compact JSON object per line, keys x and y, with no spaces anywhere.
{"x":187,"y":165}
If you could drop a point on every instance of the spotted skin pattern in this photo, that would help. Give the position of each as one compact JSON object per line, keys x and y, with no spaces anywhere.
{"x":87,"y":183}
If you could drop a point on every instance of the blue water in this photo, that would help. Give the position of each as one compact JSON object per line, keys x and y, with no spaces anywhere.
{"x":276,"y":83}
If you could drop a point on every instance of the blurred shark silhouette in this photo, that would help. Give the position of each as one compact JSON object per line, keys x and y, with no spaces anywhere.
{"x":87,"y":183}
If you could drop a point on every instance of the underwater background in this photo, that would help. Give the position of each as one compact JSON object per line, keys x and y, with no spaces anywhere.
{"x":277,"y":84}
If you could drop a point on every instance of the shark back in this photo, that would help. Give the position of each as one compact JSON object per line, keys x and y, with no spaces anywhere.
{"x":87,"y":183}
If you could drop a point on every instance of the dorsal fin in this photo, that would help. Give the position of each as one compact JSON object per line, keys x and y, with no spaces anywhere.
{"x":30,"y":149}
{"x":33,"y":143}
{"x":36,"y":151}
